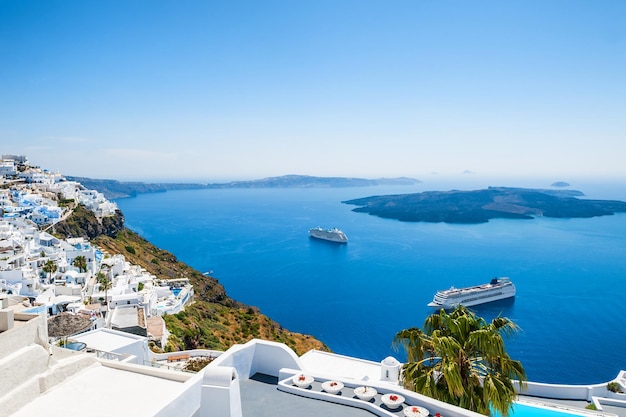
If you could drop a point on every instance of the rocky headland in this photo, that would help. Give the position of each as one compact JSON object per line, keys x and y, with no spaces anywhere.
{"x":118,"y":189}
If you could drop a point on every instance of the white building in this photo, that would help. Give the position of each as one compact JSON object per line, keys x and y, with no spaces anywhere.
{"x":8,"y":168}
{"x":36,"y":176}
{"x":96,"y":202}
{"x":75,"y":247}
{"x":18,"y":159}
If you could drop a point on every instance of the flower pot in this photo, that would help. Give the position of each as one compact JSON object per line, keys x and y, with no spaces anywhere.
{"x":332,"y":387}
{"x":365,"y":393}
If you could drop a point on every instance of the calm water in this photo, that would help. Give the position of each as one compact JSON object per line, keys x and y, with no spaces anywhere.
{"x":570,"y":273}
{"x":525,"y":410}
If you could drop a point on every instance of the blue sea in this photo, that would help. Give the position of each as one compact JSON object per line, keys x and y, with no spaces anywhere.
{"x":570,"y":274}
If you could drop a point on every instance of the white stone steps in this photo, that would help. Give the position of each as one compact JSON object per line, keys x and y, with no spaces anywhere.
{"x":31,"y":371}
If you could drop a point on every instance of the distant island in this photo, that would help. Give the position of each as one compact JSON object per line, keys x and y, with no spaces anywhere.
{"x":560,"y":184}
{"x":118,"y":189}
{"x":480,"y":206}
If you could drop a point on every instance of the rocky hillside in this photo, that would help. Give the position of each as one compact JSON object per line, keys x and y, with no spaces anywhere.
{"x":83,"y":223}
{"x":214,"y":320}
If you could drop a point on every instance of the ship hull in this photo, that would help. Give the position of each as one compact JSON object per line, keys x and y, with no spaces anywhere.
{"x":472,"y":296}
{"x":333,"y":235}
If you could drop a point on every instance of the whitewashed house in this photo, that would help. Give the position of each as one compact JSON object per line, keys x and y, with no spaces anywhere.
{"x":35,"y":175}
{"x":76,"y":247}
{"x":8,"y":168}
{"x":18,"y":159}
{"x":96,"y":202}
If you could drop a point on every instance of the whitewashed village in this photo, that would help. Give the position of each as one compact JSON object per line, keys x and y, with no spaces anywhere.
{"x":76,"y":323}
{"x":42,"y":274}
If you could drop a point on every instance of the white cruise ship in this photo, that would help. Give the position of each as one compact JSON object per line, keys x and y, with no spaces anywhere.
{"x":497,"y":289}
{"x":333,"y":235}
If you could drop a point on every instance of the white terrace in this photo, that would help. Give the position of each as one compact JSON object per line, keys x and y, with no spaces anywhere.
{"x":254,"y":379}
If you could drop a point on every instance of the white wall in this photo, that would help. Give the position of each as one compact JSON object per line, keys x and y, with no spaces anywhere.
{"x":35,"y":330}
{"x":187,"y":399}
{"x":259,"y":356}
{"x":565,"y":392}
{"x":270,"y":357}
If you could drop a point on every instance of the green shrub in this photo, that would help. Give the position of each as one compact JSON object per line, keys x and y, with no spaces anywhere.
{"x":130,"y":249}
{"x":196,"y":364}
{"x":613,"y":387}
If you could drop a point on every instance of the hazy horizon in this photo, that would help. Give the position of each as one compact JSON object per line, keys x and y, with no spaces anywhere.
{"x":612,"y":188}
{"x":244,"y":90}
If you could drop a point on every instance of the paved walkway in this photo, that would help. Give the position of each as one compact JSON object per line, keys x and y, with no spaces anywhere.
{"x":261,"y":398}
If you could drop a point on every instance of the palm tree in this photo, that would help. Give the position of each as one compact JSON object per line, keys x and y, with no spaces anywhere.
{"x":80,"y":262}
{"x":49,"y":268}
{"x":105,"y":284}
{"x":459,"y":358}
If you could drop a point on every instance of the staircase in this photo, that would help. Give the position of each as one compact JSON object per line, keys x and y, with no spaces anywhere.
{"x":29,"y":366}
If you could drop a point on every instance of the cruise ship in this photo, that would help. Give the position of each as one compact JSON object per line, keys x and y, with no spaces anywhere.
{"x":333,"y":235}
{"x":497,"y":289}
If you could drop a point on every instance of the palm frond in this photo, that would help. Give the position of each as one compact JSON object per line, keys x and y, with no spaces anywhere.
{"x":461,"y":359}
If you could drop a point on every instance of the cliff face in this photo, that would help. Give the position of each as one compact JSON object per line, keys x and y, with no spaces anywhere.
{"x":214,"y":320}
{"x":83,"y":223}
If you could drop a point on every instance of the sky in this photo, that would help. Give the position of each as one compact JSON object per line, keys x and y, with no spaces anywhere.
{"x":212,"y":90}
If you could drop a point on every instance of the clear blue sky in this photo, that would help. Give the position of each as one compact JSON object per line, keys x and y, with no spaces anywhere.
{"x":214,"y":90}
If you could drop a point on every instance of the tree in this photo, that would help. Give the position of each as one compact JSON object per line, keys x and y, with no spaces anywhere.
{"x":461,"y":359}
{"x":80,"y":262}
{"x":49,"y":268}
{"x":105,"y":284}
